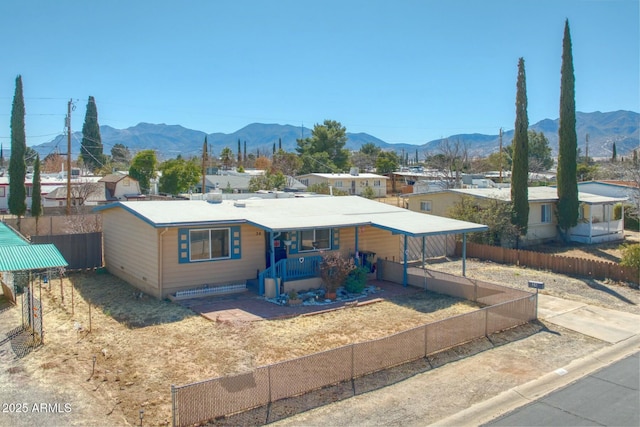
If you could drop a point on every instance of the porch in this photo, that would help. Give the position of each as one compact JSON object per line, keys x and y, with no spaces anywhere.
{"x":595,"y":231}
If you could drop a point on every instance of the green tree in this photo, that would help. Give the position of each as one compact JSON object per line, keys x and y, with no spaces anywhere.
{"x":120,"y":154}
{"x":323,"y":188}
{"x":631,"y":255}
{"x":178,"y":175}
{"x":495,"y":214}
{"x":91,"y":150}
{"x":17,"y":166}
{"x":540,"y":158}
{"x":36,"y":191}
{"x":268,"y":181}
{"x":368,"y":193}
{"x":365,"y":159}
{"x":520,"y":165}
{"x":567,"y":181}
{"x":143,"y":168}
{"x":226,"y":157}
{"x":614,"y":152}
{"x":328,"y":139}
{"x":387,"y":162}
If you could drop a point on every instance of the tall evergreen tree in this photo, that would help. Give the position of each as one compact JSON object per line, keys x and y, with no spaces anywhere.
{"x":567,"y":179}
{"x":239,"y":153}
{"x":91,"y":150}
{"x":1,"y":156}
{"x":520,"y":163}
{"x":614,"y":152}
{"x":17,"y":166}
{"x":36,"y":198}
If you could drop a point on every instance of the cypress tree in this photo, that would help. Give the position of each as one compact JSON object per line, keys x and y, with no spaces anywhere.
{"x":17,"y":165}
{"x":567,"y":142}
{"x":520,"y":163}
{"x":91,"y":150}
{"x":239,"y":153}
{"x":614,"y":153}
{"x":36,"y":199}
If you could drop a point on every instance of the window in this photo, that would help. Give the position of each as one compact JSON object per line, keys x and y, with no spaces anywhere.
{"x":2,"y":192}
{"x":545,"y":214}
{"x":315,"y":239}
{"x":376,"y":183}
{"x":126,"y":182}
{"x":425,"y":206}
{"x":339,"y":184}
{"x":208,"y":244}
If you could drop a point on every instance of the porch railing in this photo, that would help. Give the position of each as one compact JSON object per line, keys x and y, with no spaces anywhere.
{"x":291,"y":269}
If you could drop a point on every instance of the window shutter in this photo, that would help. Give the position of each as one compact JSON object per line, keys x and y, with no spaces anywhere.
{"x":183,"y":245}
{"x":295,"y":238}
{"x":335,"y":241}
{"x":236,"y":253}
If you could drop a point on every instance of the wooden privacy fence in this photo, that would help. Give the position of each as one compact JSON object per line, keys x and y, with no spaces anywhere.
{"x":81,"y":251}
{"x":217,"y":397}
{"x":557,"y":263}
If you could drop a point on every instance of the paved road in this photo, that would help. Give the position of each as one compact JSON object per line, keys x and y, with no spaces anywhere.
{"x":609,"y":397}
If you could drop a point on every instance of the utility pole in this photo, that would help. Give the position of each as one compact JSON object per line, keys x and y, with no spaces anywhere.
{"x":500,"y":152}
{"x":204,"y":165}
{"x":586,"y":151}
{"x":69,"y":156}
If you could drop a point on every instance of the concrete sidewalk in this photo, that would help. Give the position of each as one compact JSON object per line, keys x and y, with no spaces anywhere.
{"x":457,"y":388}
{"x":620,"y":329}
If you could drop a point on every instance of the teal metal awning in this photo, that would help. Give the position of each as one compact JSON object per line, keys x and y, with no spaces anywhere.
{"x":17,"y":254}
{"x":30,"y":257}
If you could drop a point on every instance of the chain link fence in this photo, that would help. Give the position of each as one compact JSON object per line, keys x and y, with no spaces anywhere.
{"x":221,"y":397}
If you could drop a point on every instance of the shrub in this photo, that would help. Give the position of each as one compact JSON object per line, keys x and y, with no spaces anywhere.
{"x":631,"y":255}
{"x":356,"y":280}
{"x":334,"y":269}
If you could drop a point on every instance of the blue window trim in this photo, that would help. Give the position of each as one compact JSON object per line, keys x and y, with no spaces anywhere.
{"x":235,"y":244}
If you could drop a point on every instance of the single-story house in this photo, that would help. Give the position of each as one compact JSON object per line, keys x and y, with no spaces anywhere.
{"x":354,"y":183}
{"x":595,"y":223}
{"x":166,"y":247}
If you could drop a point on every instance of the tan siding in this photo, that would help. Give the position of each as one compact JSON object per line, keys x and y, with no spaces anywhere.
{"x":178,"y":276}
{"x":130,"y":249}
{"x":372,"y":239}
{"x":441,"y":203}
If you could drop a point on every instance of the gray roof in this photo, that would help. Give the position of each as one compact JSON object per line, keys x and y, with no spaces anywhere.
{"x":295,"y":214}
{"x":536,"y":194}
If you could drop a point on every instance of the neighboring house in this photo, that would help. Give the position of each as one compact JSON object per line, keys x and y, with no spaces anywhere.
{"x":353,"y":183}
{"x":239,"y":183}
{"x":167,"y":247}
{"x":620,"y":189}
{"x":121,"y":187}
{"x":596,"y":223}
{"x":85,"y":190}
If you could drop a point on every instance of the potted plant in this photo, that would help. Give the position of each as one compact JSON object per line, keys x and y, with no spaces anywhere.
{"x":334,"y":269}
{"x":294,"y":298}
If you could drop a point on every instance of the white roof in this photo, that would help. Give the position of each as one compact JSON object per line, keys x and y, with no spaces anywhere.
{"x":345,"y":175}
{"x":295,"y":214}
{"x":536,"y":194}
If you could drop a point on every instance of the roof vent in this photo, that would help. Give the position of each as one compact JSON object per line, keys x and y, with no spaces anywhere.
{"x":354,"y":171}
{"x":214,"y":197}
{"x":240,"y":203}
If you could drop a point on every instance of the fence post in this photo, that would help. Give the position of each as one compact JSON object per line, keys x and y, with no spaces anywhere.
{"x":173,"y":405}
{"x":486,"y":321}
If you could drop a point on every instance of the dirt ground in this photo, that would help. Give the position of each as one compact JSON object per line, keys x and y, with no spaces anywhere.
{"x":142,"y":346}
{"x":116,"y":353}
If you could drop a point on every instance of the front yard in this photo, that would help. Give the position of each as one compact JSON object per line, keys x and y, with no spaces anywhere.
{"x":142,"y":346}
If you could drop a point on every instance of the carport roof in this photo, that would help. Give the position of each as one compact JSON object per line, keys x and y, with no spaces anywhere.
{"x":295,"y":214}
{"x":16,"y":254}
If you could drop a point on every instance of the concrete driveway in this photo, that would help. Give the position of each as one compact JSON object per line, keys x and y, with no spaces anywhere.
{"x":597,"y":322}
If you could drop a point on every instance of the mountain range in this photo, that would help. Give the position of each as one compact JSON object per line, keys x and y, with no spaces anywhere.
{"x":621,"y":127}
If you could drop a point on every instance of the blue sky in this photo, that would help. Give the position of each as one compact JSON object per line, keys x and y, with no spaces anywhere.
{"x":404,"y":71}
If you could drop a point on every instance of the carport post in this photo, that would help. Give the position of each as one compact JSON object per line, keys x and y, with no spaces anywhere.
{"x":273,"y":256}
{"x":464,"y":254}
{"x":405,"y":280}
{"x":423,"y":251}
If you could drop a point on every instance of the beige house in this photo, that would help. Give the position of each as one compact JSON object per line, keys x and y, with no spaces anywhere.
{"x":194,"y":247}
{"x":353,"y":183}
{"x":596,"y":222}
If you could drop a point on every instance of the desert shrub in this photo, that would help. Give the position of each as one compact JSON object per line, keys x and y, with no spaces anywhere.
{"x":356,"y":280}
{"x":631,"y":255}
{"x":617,"y":211}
